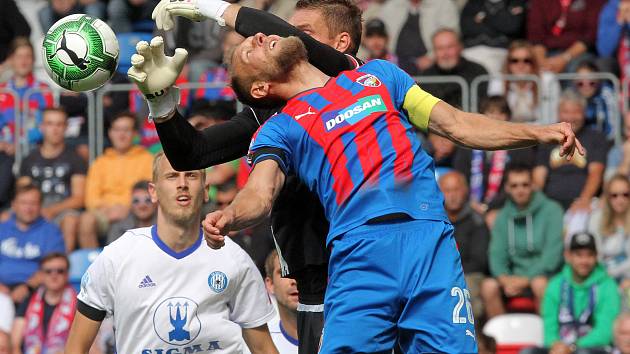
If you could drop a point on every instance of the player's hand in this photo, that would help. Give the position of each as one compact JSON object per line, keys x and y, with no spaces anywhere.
{"x":194,"y":10}
{"x":215,"y":226}
{"x":155,"y":74}
{"x":561,"y":133}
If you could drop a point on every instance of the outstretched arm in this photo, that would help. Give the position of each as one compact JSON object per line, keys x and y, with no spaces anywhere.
{"x":477,"y":131}
{"x":250,"y":206}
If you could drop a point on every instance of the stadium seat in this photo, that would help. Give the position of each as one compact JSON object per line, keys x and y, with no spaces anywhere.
{"x":127,"y":43}
{"x":143,"y":26}
{"x":515,"y":331}
{"x":521,"y":304}
{"x":80,"y":260}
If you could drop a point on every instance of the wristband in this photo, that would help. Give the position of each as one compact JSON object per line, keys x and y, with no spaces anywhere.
{"x":162,"y":107}
{"x":213,"y":9}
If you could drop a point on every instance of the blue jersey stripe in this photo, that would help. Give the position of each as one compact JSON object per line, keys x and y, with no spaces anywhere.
{"x":316,"y":100}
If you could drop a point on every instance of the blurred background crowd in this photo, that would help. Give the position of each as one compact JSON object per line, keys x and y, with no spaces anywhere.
{"x":538,"y":234}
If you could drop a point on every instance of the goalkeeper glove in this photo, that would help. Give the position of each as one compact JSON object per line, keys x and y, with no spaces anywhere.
{"x":195,"y":10}
{"x":154,"y":74}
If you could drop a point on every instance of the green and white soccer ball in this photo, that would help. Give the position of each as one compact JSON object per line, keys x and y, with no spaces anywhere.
{"x":80,"y":52}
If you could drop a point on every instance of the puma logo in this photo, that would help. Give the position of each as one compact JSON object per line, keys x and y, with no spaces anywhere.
{"x":78,"y":62}
{"x":299,"y":116}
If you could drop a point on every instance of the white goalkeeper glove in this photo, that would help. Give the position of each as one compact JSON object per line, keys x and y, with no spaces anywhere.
{"x":154,"y":73}
{"x":194,"y":10}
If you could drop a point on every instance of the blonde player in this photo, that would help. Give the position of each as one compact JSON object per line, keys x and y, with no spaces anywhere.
{"x":167,"y":291}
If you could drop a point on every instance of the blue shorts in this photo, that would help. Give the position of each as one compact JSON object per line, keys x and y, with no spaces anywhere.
{"x":397,"y":282}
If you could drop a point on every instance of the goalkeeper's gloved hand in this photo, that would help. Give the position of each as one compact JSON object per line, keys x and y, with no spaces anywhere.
{"x":194,"y":10}
{"x":154,"y":73}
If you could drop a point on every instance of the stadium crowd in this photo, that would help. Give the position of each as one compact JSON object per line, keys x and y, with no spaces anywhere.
{"x":536,"y":233}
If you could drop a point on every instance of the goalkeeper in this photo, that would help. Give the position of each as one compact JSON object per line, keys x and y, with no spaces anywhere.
{"x":300,"y":236}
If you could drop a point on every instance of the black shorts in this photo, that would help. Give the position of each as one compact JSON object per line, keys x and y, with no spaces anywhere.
{"x":310,"y":325}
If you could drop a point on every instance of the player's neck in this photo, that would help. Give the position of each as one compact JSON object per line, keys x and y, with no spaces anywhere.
{"x":176,"y":236}
{"x":288,"y":319}
{"x":302,"y":78}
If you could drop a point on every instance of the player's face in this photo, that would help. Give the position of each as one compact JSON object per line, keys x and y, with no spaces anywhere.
{"x":311,"y":22}
{"x":455,"y":192}
{"x":53,"y":127}
{"x":284,"y":289}
{"x":121,"y":133}
{"x":572,"y":113}
{"x":447,"y":50}
{"x":582,"y":261}
{"x":141,"y":205}
{"x":179,"y":195}
{"x":27,"y":207}
{"x":519,"y":187}
{"x":22,"y":61}
{"x":258,"y":54}
{"x":55,"y":273}
{"x":622,"y":336}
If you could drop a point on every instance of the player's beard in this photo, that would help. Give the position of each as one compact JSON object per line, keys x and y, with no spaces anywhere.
{"x":290,"y":54}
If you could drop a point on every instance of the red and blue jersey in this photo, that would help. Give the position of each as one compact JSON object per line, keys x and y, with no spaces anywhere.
{"x":37,"y":101}
{"x":352,"y":143}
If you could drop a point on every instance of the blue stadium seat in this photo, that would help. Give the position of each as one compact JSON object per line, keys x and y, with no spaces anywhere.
{"x":80,"y":260}
{"x":127,"y":43}
{"x":143,"y":26}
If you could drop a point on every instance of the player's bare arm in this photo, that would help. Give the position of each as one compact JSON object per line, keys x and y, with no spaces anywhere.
{"x":477,"y":131}
{"x":259,"y":341}
{"x":250,"y":206}
{"x":82,"y":334}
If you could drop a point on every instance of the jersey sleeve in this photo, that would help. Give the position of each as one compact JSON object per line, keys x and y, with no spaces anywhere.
{"x":406,"y":94}
{"x":271,"y":143}
{"x":250,"y":304}
{"x":97,"y":288}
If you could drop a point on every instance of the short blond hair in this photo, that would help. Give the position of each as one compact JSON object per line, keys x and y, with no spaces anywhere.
{"x":156,"y":167}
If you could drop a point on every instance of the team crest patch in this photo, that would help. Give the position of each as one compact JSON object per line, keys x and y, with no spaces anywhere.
{"x":218,"y":281}
{"x":369,"y":80}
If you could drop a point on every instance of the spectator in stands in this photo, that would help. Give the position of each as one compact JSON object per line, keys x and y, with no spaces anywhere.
{"x":618,"y":160}
{"x":523,"y":95}
{"x":411,"y":24}
{"x":21,"y":61}
{"x":442,"y":150}
{"x":24,"y":240}
{"x":488,"y":27}
{"x":613,"y":35}
{"x":142,"y":213}
{"x":283,"y":328}
{"x":448,"y":48}
{"x":621,"y":334}
{"x":471,"y":234}
{"x":610,"y":224}
{"x":42,"y":323}
{"x":281,"y":8}
{"x":563,"y":31}
{"x":124,"y":14}
{"x":218,"y":75}
{"x":376,"y":41}
{"x":13,"y":25}
{"x":110,"y":179}
{"x":55,"y":10}
{"x":580,"y":303}
{"x":7,"y":312}
{"x":602,"y":106}
{"x":526,"y":244}
{"x":575,"y":182}
{"x":485,"y":169}
{"x":59,"y":173}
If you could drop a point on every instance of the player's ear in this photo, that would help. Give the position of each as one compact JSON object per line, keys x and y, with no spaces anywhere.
{"x":343,"y":41}
{"x":260,"y":89}
{"x":152,"y":192}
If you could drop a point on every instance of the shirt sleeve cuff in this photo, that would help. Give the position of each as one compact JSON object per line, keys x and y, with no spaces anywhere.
{"x":90,"y":312}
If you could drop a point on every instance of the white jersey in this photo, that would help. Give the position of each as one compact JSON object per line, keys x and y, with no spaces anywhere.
{"x":285,"y":343}
{"x":163,"y":302}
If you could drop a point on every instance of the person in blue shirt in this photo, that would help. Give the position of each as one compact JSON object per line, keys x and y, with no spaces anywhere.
{"x":24,"y":240}
{"x":395,"y":274}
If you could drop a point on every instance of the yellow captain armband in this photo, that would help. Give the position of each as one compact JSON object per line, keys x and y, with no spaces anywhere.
{"x":419,"y":103}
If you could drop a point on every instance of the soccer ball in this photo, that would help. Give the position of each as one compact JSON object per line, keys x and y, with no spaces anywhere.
{"x":80,"y":52}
